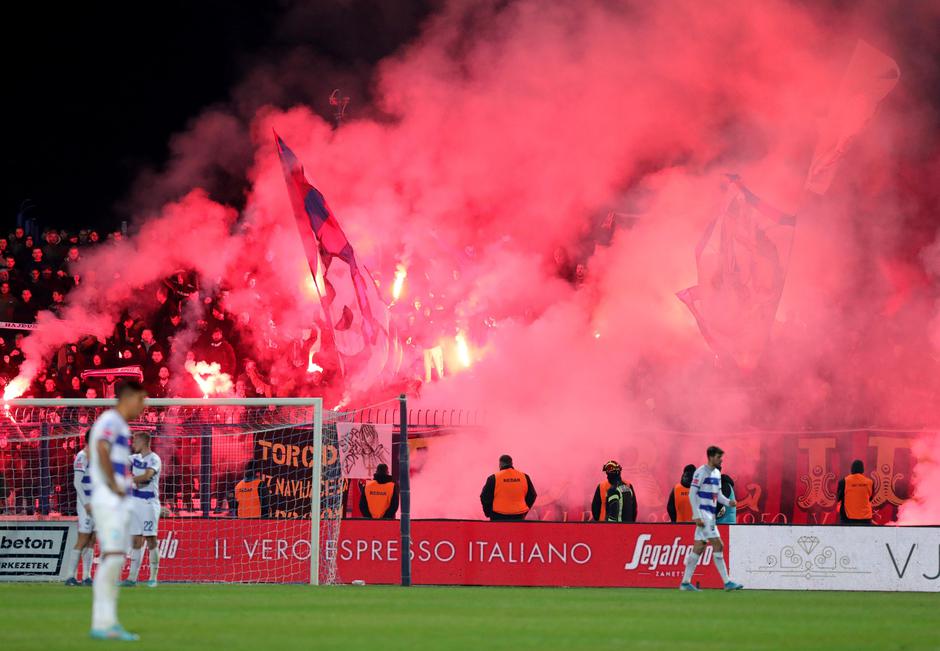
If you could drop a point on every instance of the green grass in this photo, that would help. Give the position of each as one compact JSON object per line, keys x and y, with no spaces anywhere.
{"x":47,"y":617}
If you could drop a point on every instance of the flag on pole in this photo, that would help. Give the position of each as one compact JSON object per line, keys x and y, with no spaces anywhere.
{"x":347,"y":292}
{"x":870,"y":76}
{"x":742,"y":264}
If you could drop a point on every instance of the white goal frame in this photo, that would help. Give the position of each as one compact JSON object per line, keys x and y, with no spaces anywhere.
{"x":317,"y":465}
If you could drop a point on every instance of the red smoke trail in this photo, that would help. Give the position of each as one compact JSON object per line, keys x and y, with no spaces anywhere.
{"x":508,"y":132}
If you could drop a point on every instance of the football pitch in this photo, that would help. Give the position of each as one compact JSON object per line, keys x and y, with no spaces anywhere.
{"x":47,"y":617}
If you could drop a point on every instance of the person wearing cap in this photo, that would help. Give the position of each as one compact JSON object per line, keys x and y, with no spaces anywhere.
{"x":614,"y":499}
{"x":507,"y":494}
{"x":379,"y":497}
{"x":678,"y":506}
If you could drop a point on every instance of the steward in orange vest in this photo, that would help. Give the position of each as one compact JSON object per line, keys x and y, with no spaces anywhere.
{"x":379,"y":498}
{"x":678,"y":506}
{"x":508,"y":494}
{"x":854,"y":494}
{"x":251,"y":496}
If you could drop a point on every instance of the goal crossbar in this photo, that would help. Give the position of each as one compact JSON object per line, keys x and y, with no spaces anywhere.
{"x":167,"y":402}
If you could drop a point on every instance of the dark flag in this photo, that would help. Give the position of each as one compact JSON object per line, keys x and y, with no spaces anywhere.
{"x":322,"y":237}
{"x":348,"y":295}
{"x":741,"y":260}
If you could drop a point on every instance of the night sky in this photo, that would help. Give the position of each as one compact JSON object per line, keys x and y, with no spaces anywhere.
{"x":94,"y":91}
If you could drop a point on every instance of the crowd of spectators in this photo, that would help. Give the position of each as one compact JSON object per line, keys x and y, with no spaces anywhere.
{"x":179,"y":325}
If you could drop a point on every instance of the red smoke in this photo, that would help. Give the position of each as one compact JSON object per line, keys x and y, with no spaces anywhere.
{"x":502,"y":134}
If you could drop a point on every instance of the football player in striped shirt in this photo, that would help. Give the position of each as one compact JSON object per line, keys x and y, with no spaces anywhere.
{"x":85,"y":544}
{"x":109,"y":462}
{"x":705,"y":496}
{"x":144,"y":506}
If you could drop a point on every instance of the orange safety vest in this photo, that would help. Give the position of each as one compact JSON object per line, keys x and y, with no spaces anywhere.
{"x":248,"y":498}
{"x":603,"y":487}
{"x":683,"y":504}
{"x":509,"y":495}
{"x":379,"y":497}
{"x":858,"y":491}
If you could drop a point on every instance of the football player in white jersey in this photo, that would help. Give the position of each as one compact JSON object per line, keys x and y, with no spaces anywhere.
{"x":109,"y":465}
{"x":144,"y":508}
{"x":705,"y":496}
{"x":85,"y":544}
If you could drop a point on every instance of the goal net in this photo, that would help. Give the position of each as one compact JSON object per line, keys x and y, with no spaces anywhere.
{"x":251,"y":490}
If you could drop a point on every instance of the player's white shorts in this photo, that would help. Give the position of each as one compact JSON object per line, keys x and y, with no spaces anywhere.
{"x":111,"y":524}
{"x":145,"y":516}
{"x":707,"y":531}
{"x":86,"y":523}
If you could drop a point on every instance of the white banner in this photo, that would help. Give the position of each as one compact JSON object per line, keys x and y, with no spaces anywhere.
{"x":11,"y":325}
{"x":895,"y":559}
{"x":35,"y":551}
{"x":363,"y":446}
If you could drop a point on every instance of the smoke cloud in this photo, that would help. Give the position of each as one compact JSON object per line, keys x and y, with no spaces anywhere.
{"x":505,"y":133}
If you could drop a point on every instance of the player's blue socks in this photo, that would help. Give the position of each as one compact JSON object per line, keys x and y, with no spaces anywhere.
{"x":116,"y":632}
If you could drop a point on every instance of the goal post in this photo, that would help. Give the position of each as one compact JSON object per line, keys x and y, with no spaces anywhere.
{"x":281,"y":452}
{"x":315,"y":489}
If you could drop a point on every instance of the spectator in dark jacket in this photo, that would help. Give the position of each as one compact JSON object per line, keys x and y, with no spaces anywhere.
{"x":152,"y":365}
{"x":52,"y":250}
{"x":171,"y":327}
{"x":220,"y":352}
{"x":75,"y":390}
{"x":147,"y":343}
{"x":8,"y":302}
{"x":36,"y":262}
{"x":161,"y":387}
{"x":25,"y":312}
{"x":72,"y":259}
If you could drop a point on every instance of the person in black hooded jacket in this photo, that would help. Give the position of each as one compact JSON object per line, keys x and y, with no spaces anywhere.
{"x":379,"y":498}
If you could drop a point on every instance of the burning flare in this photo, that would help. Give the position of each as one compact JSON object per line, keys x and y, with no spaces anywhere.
{"x":20,"y":384}
{"x":400,"y":274}
{"x":16,"y":387}
{"x":463,"y":350}
{"x":313,"y":367}
{"x":210,"y":378}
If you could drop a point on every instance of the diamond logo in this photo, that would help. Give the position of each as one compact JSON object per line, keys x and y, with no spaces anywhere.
{"x":807,"y":543}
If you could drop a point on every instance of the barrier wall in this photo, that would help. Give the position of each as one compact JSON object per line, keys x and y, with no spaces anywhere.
{"x":461,"y":552}
{"x":448,"y":552}
{"x":905,"y":559}
{"x":35,"y":551}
